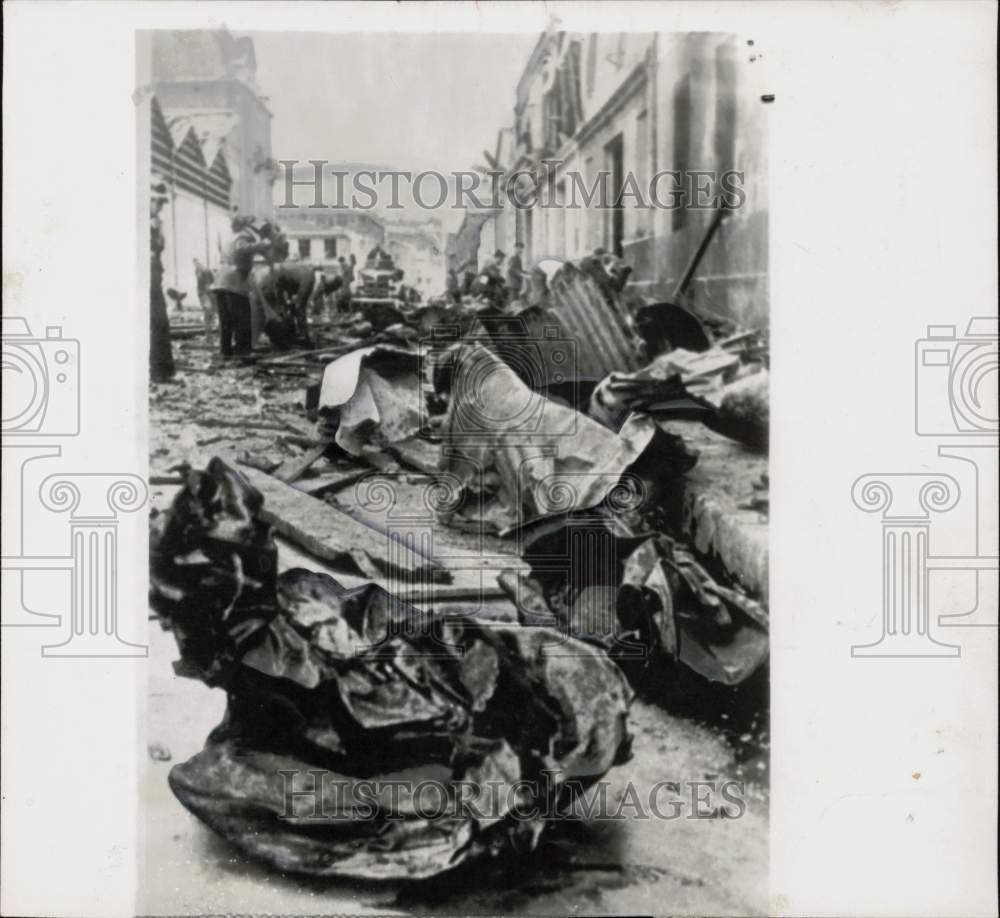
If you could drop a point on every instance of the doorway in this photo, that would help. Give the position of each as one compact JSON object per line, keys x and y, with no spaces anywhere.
{"x":614,"y":224}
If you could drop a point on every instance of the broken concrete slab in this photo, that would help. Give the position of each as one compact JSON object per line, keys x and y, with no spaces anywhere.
{"x":336,"y":537}
{"x":744,"y":410}
{"x":291,"y":470}
{"x":706,"y":507}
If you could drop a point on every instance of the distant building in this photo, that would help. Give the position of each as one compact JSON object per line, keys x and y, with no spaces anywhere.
{"x":341,"y":216}
{"x":633,"y":106}
{"x":321,"y":237}
{"x":417,"y":247}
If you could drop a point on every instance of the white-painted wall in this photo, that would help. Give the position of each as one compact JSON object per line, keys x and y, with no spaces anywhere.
{"x":192,"y":228}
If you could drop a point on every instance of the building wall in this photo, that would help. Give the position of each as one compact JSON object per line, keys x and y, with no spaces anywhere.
{"x":196,"y":218}
{"x":710,"y":96}
{"x":674,"y":101}
{"x":464,"y":245}
{"x":347,"y":241}
{"x":193,"y":228}
{"x":247,"y":142}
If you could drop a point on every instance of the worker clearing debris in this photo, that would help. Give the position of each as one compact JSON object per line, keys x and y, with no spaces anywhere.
{"x":231,"y":286}
{"x":293,"y":291}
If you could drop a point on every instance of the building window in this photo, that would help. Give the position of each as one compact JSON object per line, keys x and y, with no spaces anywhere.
{"x":614,"y":225}
{"x":303,"y":248}
{"x":591,"y":62}
{"x":725,"y":108}
{"x":643,"y":215}
{"x":682,"y":143}
{"x":330,"y":247}
{"x":561,"y":217}
{"x":591,"y":225}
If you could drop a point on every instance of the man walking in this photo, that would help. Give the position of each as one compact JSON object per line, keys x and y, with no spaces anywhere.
{"x":231,"y":287}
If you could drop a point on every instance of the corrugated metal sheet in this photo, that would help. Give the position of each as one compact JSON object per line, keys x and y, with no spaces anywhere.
{"x":600,"y":329}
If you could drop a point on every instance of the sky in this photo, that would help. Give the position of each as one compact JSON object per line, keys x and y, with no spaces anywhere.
{"x":410,"y":101}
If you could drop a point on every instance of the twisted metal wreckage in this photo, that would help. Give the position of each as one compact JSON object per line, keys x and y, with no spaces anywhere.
{"x":569,"y":461}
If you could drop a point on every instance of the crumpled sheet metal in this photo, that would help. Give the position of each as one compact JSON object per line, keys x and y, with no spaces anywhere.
{"x":598,"y":323}
{"x":373,"y":396}
{"x":318,"y":679}
{"x":524,"y":455}
{"x":644,"y":599}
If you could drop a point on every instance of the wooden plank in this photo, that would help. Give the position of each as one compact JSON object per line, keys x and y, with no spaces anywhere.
{"x":336,"y":537}
{"x":291,"y":470}
{"x":329,"y":482}
{"x":240,"y":424}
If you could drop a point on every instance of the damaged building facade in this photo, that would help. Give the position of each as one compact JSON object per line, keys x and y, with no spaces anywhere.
{"x":210,"y":142}
{"x":635,"y":106}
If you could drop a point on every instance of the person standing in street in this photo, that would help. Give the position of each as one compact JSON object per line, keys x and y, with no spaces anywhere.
{"x":231,"y":287}
{"x":161,"y":357}
{"x":515,"y":273}
{"x":489,"y":283}
{"x":343,"y":295}
{"x":453,"y":288}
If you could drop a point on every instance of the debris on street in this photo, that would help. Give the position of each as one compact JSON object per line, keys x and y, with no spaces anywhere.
{"x":371,"y":398}
{"x":594,"y":525}
{"x":356,"y":683}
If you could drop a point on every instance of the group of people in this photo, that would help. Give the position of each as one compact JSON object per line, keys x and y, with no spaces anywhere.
{"x":285,"y":292}
{"x":501,"y":281}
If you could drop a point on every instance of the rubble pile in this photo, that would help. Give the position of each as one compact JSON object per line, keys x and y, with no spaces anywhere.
{"x":317,"y":677}
{"x":503,"y":646}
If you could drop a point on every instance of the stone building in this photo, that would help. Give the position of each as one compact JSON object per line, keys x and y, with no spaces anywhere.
{"x":620,"y":111}
{"x":322,"y":236}
{"x":207,"y":79}
{"x":195,"y":219}
{"x":209,"y":142}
